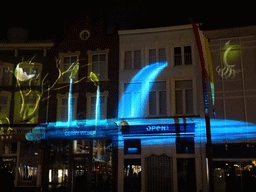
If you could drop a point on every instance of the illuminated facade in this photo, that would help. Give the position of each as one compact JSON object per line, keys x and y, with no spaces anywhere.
{"x":127,"y":113}
{"x":162,"y":140}
{"x":23,"y":67}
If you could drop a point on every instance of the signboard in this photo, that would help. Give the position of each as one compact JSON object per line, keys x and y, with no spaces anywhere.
{"x":188,"y":128}
{"x":15,"y":133}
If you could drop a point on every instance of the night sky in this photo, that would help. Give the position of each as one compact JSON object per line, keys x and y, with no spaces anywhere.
{"x":45,"y":20}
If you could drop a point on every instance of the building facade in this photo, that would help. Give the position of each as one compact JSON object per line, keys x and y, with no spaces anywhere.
{"x":24,"y":65}
{"x":162,"y":140}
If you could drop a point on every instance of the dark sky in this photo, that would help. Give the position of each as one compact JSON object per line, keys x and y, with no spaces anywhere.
{"x":45,"y":19}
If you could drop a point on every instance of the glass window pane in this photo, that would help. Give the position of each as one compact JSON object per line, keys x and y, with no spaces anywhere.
{"x":128,"y":103}
{"x":185,"y":145}
{"x":177,"y":56}
{"x":128,"y":60}
{"x":184,"y":84}
{"x":137,"y":59}
{"x":102,"y":57}
{"x":152,"y":56}
{"x":73,"y":59}
{"x":95,"y":58}
{"x":179,"y":102}
{"x":162,"y":103}
{"x":187,"y":55}
{"x":157,"y":86}
{"x":189,"y":101}
{"x":186,"y":174}
{"x":152,"y":103}
{"x":162,"y":55}
{"x":66,"y":60}
{"x":187,"y":50}
{"x":177,"y":50}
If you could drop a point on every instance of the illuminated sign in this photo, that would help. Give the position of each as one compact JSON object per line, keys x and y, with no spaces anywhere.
{"x":188,"y":128}
{"x":79,"y":133}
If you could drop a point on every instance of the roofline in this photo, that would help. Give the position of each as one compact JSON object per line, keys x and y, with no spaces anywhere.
{"x":7,"y":46}
{"x":155,"y":30}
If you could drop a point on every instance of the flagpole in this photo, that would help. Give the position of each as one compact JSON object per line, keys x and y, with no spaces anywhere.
{"x":206,"y":109}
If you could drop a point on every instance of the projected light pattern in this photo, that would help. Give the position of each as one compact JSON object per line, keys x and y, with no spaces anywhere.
{"x":227,"y":71}
{"x":135,"y":97}
{"x":97,"y":107}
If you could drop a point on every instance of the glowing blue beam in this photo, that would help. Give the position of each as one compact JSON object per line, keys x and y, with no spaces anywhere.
{"x":97,"y":106}
{"x":133,"y":104}
{"x":70,"y":112}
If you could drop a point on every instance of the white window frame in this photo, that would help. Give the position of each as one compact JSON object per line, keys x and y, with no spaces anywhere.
{"x":89,"y":96}
{"x":90,"y":53}
{"x":10,"y":68}
{"x":59,"y":105}
{"x":183,"y":55}
{"x":157,"y":53}
{"x":184,"y":98}
{"x":133,"y":59}
{"x":6,"y":112}
{"x":61,"y":56}
{"x":157,"y":101}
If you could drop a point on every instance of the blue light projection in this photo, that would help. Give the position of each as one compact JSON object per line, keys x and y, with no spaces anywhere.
{"x":97,"y":107}
{"x":132,"y":104}
{"x":135,"y":96}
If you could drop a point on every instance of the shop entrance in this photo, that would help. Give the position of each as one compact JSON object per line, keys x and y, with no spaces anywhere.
{"x":234,"y":175}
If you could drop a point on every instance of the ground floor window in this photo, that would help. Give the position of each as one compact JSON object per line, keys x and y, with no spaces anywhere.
{"x":234,"y":176}
{"x":186,"y":174}
{"x":132,"y":175}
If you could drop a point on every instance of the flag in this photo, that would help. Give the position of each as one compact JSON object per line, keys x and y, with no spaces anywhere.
{"x":206,"y":64}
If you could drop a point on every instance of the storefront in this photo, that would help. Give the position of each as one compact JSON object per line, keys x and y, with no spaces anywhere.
{"x":170,"y":155}
{"x":148,"y":154}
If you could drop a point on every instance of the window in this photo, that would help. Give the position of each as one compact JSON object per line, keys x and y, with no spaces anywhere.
{"x":186,"y":174}
{"x":3,"y":106}
{"x":62,"y":112}
{"x":91,"y":105}
{"x":184,"y":97}
{"x":185,"y":145}
{"x":84,"y":35}
{"x":67,"y":62}
{"x":34,"y":69}
{"x":157,"y":55}
{"x":182,"y":55}
{"x":157,"y":99}
{"x":132,"y":59}
{"x":67,"y":59}
{"x":132,"y":146}
{"x":132,"y":100}
{"x":5,"y":74}
{"x":102,"y":107}
{"x":99,"y":63}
